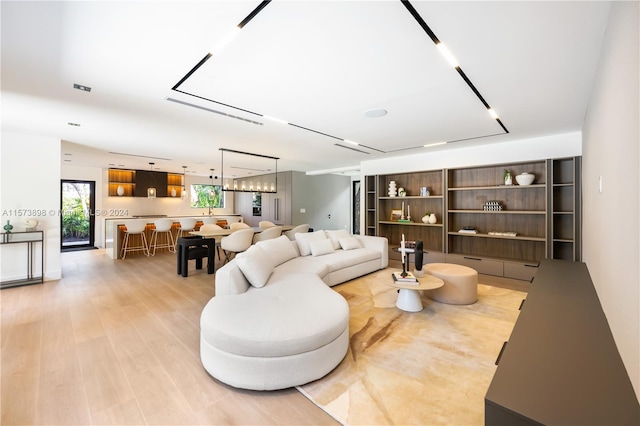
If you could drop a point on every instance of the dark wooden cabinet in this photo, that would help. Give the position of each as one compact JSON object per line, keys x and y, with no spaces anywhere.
{"x":561,"y":365}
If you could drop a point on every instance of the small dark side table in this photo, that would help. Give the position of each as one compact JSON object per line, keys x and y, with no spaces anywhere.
{"x":190,"y":248}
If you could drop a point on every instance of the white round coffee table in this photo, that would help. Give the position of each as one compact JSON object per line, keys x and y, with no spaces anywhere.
{"x":409,"y":296}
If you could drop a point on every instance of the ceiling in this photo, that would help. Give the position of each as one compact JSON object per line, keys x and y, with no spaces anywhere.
{"x":317,"y":65}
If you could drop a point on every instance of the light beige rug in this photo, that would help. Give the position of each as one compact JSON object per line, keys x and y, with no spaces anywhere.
{"x":427,"y":368}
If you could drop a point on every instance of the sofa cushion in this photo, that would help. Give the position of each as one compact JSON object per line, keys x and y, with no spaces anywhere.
{"x":283,"y":319}
{"x":349,"y":243}
{"x":279,"y":249}
{"x":343,"y":259}
{"x":335,"y":236}
{"x":321,"y":247}
{"x":256,"y":265}
{"x":300,"y":265}
{"x":303,"y":238}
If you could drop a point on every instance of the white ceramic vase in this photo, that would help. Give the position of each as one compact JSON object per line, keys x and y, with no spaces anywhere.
{"x":432,"y":218}
{"x":425,"y":218}
{"x":392,"y":189}
{"x":120,"y":191}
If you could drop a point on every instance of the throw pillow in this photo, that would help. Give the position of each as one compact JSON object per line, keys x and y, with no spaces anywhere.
{"x":256,"y":265}
{"x":303,"y":238}
{"x":350,"y":243}
{"x":335,"y":236}
{"x":279,"y":249}
{"x":320,"y":247}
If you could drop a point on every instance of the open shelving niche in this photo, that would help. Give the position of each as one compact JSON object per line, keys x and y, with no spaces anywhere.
{"x":544,"y":215}
{"x":127,"y":180}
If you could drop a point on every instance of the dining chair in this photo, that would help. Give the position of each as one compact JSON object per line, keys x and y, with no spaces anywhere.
{"x":268,"y":234}
{"x":291,"y":234}
{"x":237,"y":242}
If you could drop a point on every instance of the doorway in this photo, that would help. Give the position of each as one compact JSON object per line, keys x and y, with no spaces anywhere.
{"x":356,"y":207}
{"x":77,"y":221}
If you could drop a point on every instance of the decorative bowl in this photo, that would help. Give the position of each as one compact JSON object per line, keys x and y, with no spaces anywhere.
{"x":525,"y":178}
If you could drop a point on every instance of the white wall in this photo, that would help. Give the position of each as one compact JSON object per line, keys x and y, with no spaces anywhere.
{"x":554,"y":146}
{"x":610,"y":219}
{"x":30,"y":184}
{"x":135,"y":206}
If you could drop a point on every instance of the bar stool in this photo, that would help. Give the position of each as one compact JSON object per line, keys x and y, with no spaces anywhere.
{"x":162,"y":226}
{"x":186,"y":225}
{"x":134,"y":227}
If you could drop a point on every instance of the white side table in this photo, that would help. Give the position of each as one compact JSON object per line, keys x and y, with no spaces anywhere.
{"x":409,"y":296}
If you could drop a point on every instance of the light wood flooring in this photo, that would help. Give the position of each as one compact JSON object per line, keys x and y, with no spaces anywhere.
{"x":117,"y":342}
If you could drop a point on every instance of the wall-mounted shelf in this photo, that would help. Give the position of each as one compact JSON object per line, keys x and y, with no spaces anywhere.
{"x":544,"y":215}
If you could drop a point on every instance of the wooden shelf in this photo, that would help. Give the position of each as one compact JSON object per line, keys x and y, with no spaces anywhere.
{"x":499,"y":237}
{"x":391,"y":222}
{"x":508,"y":187}
{"x":541,"y":212}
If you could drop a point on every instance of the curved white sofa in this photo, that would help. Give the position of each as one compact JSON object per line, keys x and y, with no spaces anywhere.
{"x":274,"y":322}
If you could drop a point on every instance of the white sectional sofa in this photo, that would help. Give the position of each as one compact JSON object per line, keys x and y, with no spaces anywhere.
{"x":274,"y":321}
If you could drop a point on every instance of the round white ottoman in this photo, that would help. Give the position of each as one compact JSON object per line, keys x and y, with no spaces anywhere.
{"x":460,"y":283}
{"x":278,"y":336}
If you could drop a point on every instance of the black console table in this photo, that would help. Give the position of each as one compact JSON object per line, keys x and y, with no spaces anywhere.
{"x":28,"y":238}
{"x":561,"y":365}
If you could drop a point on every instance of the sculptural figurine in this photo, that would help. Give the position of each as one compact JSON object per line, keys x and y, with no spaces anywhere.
{"x":8,"y":227}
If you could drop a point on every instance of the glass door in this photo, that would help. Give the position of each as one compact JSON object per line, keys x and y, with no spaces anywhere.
{"x":77,"y":221}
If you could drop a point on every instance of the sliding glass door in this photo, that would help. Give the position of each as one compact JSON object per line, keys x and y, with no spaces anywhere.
{"x":77,"y":221}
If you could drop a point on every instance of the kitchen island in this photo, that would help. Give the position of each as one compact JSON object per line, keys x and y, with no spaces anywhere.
{"x":114,"y":228}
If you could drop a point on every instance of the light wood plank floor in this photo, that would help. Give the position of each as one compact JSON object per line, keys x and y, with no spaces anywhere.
{"x":117,"y":342}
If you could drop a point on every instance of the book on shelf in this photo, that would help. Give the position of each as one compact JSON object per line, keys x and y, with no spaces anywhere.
{"x":468,"y":231}
{"x":409,"y":278}
{"x":503,"y":234}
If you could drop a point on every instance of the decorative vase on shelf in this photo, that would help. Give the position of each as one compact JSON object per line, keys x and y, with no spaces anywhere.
{"x":173,"y":192}
{"x":8,"y":227}
{"x":425,"y":218}
{"x":120,"y":191}
{"x":507,"y":177}
{"x":392,"y":189}
{"x":432,"y":218}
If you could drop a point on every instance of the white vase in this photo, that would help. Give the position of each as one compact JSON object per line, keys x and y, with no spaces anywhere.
{"x":173,"y":192}
{"x":508,"y":180}
{"x":425,"y":219}
{"x":432,"y":218}
{"x":392,"y":189}
{"x":120,"y":191}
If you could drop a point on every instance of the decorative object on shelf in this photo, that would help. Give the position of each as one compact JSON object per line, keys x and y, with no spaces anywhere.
{"x":402,"y":215}
{"x":392,"y":188}
{"x":468,"y":230}
{"x":525,"y":178}
{"x":30,"y":224}
{"x":173,"y":192}
{"x":402,"y":192}
{"x":424,"y":191}
{"x":425,"y":218}
{"x":8,"y":227}
{"x":396,"y":214}
{"x":432,"y":218}
{"x":503,"y":234}
{"x":507,"y":177}
{"x":120,"y":190}
{"x":492,"y":206}
{"x":408,"y":212}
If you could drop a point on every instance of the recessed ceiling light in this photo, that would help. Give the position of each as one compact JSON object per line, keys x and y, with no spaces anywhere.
{"x":434,"y":144}
{"x":74,"y":124}
{"x":375,"y":113}
{"x":81,"y":87}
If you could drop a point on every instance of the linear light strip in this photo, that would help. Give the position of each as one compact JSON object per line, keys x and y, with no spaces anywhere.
{"x":437,"y":42}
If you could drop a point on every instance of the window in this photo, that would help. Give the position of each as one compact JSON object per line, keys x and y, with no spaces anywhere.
{"x":207,"y":196}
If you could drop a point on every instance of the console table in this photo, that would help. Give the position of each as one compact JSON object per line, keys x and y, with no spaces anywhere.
{"x":561,"y":365}
{"x":28,"y":238}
